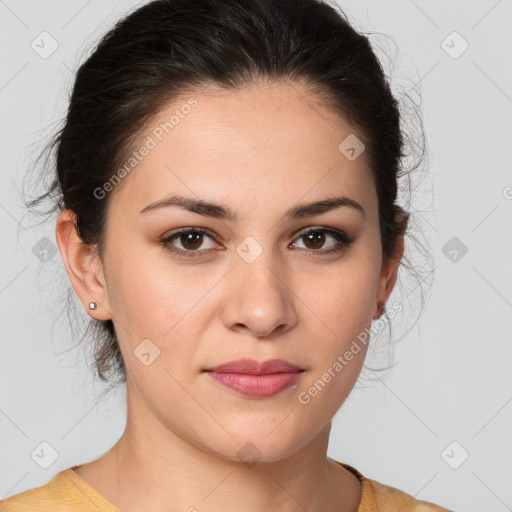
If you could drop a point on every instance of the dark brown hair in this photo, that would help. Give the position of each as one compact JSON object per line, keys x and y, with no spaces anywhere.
{"x":167,"y":48}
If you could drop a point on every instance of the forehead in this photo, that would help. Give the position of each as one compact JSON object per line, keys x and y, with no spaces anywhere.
{"x":270,"y":141}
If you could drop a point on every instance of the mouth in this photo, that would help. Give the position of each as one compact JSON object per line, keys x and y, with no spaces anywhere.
{"x":256,"y":379}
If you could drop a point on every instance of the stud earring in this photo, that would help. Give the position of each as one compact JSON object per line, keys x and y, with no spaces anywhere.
{"x":92,"y":305}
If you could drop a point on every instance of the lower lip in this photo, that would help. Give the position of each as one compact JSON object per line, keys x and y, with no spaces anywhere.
{"x":257,"y":386}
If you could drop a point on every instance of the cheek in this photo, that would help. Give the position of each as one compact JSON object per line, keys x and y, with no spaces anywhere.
{"x":342,"y":299}
{"x":162,"y":304}
{"x":340,"y":307}
{"x":153,"y":298}
{"x":336,"y":361}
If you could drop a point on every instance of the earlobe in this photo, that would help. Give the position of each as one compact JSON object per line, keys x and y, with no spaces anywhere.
{"x":83,"y":266}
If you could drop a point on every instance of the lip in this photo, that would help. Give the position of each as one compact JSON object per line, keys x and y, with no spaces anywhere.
{"x":252,"y":367}
{"x":256,"y":379}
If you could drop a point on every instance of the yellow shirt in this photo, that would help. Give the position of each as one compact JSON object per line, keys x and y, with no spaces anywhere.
{"x":69,"y":492}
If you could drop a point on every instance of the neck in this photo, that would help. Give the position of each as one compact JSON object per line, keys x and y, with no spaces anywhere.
{"x":172,"y":474}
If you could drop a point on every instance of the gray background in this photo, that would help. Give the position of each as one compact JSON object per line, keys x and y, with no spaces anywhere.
{"x":452,"y":379}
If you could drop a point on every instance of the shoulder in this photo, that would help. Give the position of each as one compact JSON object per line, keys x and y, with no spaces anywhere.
{"x":385,"y":498}
{"x":378,"y":497}
{"x":27,"y":501}
{"x":66,"y":491}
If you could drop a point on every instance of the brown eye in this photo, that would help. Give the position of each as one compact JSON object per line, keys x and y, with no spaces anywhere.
{"x":315,"y":238}
{"x":188,"y":242}
{"x":191,"y":240}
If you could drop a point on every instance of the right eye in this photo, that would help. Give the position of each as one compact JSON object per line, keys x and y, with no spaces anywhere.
{"x":190,"y":239}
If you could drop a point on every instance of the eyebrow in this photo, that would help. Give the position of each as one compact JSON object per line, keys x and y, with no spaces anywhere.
{"x":217,"y":211}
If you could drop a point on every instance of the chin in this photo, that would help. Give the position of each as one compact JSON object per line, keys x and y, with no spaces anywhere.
{"x":256,"y":451}
{"x":252,"y":445}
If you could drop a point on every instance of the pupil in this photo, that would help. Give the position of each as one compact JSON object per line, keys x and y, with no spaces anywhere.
{"x":193,"y":239}
{"x":316,"y":238}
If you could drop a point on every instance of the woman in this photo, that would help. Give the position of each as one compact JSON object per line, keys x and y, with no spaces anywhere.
{"x":226,"y":182}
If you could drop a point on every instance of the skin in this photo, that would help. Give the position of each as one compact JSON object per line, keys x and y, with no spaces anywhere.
{"x":259,"y":151}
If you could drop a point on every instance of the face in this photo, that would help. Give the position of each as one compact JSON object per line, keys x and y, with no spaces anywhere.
{"x":257,"y":276}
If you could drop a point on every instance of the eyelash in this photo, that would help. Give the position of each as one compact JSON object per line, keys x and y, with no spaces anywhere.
{"x":343,"y":241}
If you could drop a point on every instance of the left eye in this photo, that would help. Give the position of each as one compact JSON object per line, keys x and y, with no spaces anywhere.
{"x":316,"y":238}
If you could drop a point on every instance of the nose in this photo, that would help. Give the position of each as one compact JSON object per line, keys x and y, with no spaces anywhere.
{"x":258,"y":298}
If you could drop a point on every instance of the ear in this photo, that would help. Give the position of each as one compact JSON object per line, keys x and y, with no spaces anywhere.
{"x":389,"y":268}
{"x":83,"y":265}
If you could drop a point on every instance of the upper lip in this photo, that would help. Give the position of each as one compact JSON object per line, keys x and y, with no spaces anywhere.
{"x":252,"y":367}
